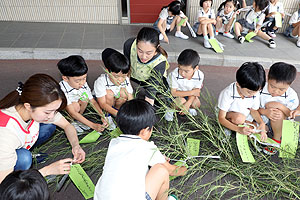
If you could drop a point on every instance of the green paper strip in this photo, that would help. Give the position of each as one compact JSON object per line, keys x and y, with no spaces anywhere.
{"x":193,"y":146}
{"x":91,"y":137}
{"x":116,"y":132}
{"x":215,"y":45}
{"x":278,"y":20}
{"x":179,"y":164}
{"x":243,"y":147}
{"x":289,"y":139}
{"x":249,"y":36}
{"x":269,"y":140}
{"x":182,"y":21}
{"x":82,"y":181}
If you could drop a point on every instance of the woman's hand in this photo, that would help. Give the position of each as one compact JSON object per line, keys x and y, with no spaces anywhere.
{"x":79,"y":154}
{"x":59,"y":167}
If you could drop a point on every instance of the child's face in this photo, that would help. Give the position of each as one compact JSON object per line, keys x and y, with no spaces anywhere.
{"x":186,"y":72}
{"x":228,"y":7}
{"x":145,"y":51}
{"x":273,"y":1}
{"x":245,"y":92}
{"x":277,"y":88}
{"x":170,"y":14}
{"x":75,"y":82}
{"x":117,"y":78}
{"x":206,"y":5}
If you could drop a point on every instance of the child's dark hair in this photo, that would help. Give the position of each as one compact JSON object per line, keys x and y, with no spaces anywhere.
{"x":262,"y":4}
{"x":135,"y":115}
{"x":282,"y":72}
{"x":189,"y":57}
{"x":174,"y":7}
{"x":28,"y":184}
{"x":148,"y":34}
{"x":114,"y":61}
{"x":202,"y":1}
{"x":251,"y":75}
{"x":72,"y":66}
{"x":236,"y":4}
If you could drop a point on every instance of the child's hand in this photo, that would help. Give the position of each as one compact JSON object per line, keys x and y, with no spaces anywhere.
{"x":274,"y":114}
{"x":196,"y":92}
{"x":166,"y":39}
{"x":263,"y":136}
{"x":294,"y":113}
{"x":180,"y":171}
{"x":104,"y":122}
{"x":98,"y":127}
{"x":245,"y":130}
{"x":255,"y":31}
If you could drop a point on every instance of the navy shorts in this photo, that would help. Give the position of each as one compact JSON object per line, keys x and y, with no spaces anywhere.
{"x":246,"y":25}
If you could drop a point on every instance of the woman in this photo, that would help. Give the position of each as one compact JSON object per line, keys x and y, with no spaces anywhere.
{"x":22,"y":111}
{"x":148,"y":61}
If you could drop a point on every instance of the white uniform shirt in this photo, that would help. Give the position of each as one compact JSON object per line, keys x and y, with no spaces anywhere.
{"x":226,"y":17}
{"x":295,"y":18}
{"x":252,"y":16}
{"x":74,"y":95}
{"x":288,"y":99}
{"x":103,"y":83}
{"x":278,"y":7}
{"x":176,"y":81}
{"x":125,"y":168}
{"x":210,"y":14}
{"x":230,"y":101}
{"x":13,"y":136}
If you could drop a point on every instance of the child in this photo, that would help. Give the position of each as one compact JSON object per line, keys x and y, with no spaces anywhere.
{"x":129,"y":155}
{"x":239,"y":102}
{"x":205,"y":21}
{"x":186,"y":82}
{"x":169,"y":17}
{"x":113,"y":88}
{"x":294,"y":28}
{"x":225,"y":17}
{"x":274,"y":7}
{"x":278,"y":99}
{"x":74,"y":85}
{"x":253,"y":21}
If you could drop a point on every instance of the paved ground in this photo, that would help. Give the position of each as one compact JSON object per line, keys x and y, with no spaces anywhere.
{"x":22,"y":42}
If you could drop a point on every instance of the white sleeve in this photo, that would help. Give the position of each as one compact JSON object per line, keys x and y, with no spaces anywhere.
{"x":64,"y":90}
{"x":154,"y":155}
{"x":99,"y":87}
{"x":261,"y":19}
{"x":213,"y":16}
{"x":293,"y":100}
{"x":89,"y":92}
{"x":281,"y":9}
{"x":181,"y":14}
{"x":172,"y":81}
{"x":256,"y":103}
{"x":200,"y":85}
{"x":163,"y":14}
{"x":294,"y":18}
{"x":199,"y":14}
{"x":225,"y":100}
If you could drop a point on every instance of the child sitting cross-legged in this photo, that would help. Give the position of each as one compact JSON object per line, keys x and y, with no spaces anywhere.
{"x":186,"y":82}
{"x":278,"y":99}
{"x":126,"y":173}
{"x":78,"y":94}
{"x":239,"y":102}
{"x":113,"y":88}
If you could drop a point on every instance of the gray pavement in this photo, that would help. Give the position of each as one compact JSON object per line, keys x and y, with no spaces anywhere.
{"x":35,"y":40}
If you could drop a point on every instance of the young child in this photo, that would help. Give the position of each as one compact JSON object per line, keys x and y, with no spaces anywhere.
{"x":186,"y":82}
{"x":205,"y":21}
{"x":113,"y":88}
{"x":252,"y":21}
{"x":74,"y":85}
{"x":169,"y":17}
{"x":128,"y":158}
{"x":274,"y":7}
{"x":239,"y":102}
{"x":278,"y":99}
{"x":294,"y":28}
{"x":225,"y":17}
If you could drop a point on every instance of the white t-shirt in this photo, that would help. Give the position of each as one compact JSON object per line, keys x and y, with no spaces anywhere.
{"x":125,"y":168}
{"x":252,"y":16}
{"x":210,"y":14}
{"x":104,"y":83}
{"x":74,"y":95}
{"x":165,"y":15}
{"x":16,"y":134}
{"x":288,"y":99}
{"x":295,"y":18}
{"x":176,"y":81}
{"x":278,"y":7}
{"x":230,"y":101}
{"x":226,"y":17}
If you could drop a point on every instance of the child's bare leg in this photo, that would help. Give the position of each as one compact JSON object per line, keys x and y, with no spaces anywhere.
{"x":157,"y":182}
{"x":199,"y":32}
{"x":263,"y":35}
{"x":210,"y":30}
{"x":196,"y":103}
{"x":177,"y":21}
{"x":123,"y":98}
{"x":219,"y":23}
{"x":236,"y":118}
{"x":76,"y":106}
{"x":174,"y":23}
{"x":228,"y":26}
{"x":277,"y":127}
{"x":237,"y":29}
{"x":296,"y":31}
{"x":204,"y":29}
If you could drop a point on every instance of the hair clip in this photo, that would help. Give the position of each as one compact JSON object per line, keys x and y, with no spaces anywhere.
{"x":20,"y":88}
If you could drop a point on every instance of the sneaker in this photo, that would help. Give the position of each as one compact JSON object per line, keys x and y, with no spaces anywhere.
{"x":298,"y":43}
{"x":270,"y":151}
{"x":169,"y":116}
{"x":272,"y":44}
{"x":172,"y":197}
{"x":272,"y":34}
{"x":241,"y":39}
{"x":193,"y":111}
{"x":229,"y":35}
{"x":207,"y":44}
{"x":161,"y":37}
{"x":111,"y":123}
{"x":181,"y":35}
{"x":78,"y":129}
{"x":216,"y":33}
{"x":83,"y":126}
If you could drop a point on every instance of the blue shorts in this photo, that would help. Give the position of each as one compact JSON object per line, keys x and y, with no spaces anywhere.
{"x":147,"y":196}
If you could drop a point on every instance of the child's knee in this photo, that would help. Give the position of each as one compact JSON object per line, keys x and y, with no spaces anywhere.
{"x":160,"y":170}
{"x":76,"y":106}
{"x":239,"y":118}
